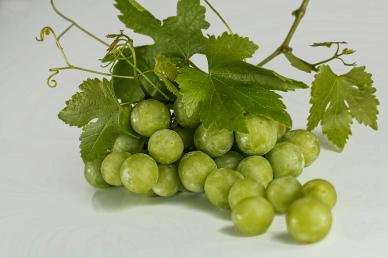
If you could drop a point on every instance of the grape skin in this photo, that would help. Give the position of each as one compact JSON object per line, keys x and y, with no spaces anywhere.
{"x":253,"y":216}
{"x":307,"y":142}
{"x":213,"y":141}
{"x":149,"y":116}
{"x":308,"y":220}
{"x":194,"y":167}
{"x":243,"y":189}
{"x":126,"y":143}
{"x":181,"y":114}
{"x":110,"y":167}
{"x":261,"y":136}
{"x":256,"y":168}
{"x":92,"y":173}
{"x":286,"y":159}
{"x":230,"y":159}
{"x":168,"y":181}
{"x":165,"y":146}
{"x":218,"y":184}
{"x":139,"y":173}
{"x":321,"y":190}
{"x":282,"y":191}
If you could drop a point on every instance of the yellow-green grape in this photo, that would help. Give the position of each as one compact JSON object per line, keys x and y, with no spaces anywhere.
{"x":308,"y":220}
{"x":281,"y":129}
{"x":187,"y":135}
{"x":165,"y":146}
{"x":110,"y":167}
{"x":253,"y":216}
{"x":218,"y":184}
{"x":261,"y":136}
{"x":243,"y":189}
{"x":214,"y":142}
{"x":193,"y":169}
{"x":286,"y":160}
{"x":149,"y":116}
{"x":92,"y":173}
{"x":256,"y":168}
{"x":139,"y":173}
{"x":182,"y":117}
{"x":308,"y":143}
{"x":168,"y":181}
{"x":282,"y":191}
{"x":130,"y":144}
{"x":322,"y":190}
{"x":230,"y":159}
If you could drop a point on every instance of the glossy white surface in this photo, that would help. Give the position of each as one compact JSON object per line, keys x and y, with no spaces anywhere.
{"x":46,"y":208}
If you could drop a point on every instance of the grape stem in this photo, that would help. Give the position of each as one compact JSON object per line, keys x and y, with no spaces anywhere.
{"x":47,"y":30}
{"x":285,"y":46}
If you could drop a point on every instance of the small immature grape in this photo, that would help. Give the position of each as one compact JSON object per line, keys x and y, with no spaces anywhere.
{"x":215,"y":142}
{"x":126,"y":143}
{"x":168,"y":181}
{"x":256,"y":168}
{"x":149,"y":116}
{"x":194,"y":167}
{"x":165,"y":146}
{"x":230,"y":159}
{"x":308,"y":220}
{"x":110,"y":167}
{"x":308,"y":143}
{"x":282,"y":191}
{"x":139,"y":173}
{"x":182,"y":117}
{"x":218,"y":184}
{"x":187,"y":135}
{"x":92,"y":173}
{"x":243,"y":189}
{"x":261,"y":136}
{"x":321,"y":190}
{"x":286,"y":160}
{"x":253,"y":216}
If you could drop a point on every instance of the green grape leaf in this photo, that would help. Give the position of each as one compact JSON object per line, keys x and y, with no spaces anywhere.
{"x":96,"y":109}
{"x":299,"y":63}
{"x":337,"y":99}
{"x":179,"y":36}
{"x":127,"y":90}
{"x":233,"y":88}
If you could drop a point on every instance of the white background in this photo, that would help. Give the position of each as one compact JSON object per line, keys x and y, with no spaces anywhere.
{"x":48,"y":211}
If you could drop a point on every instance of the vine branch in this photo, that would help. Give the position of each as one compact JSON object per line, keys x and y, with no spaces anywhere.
{"x":285,"y":46}
{"x":219,"y":16}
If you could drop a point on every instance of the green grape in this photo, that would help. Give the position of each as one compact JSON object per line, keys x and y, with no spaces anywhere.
{"x":256,"y":168}
{"x":149,"y":116}
{"x":322,"y":190}
{"x":230,"y":159}
{"x":168,"y":181}
{"x":308,"y":220}
{"x":218,"y":184}
{"x":126,"y":143}
{"x":110,"y":167}
{"x":307,"y":142}
{"x":243,"y":189}
{"x":139,"y":173}
{"x":213,"y":141}
{"x":282,"y":191}
{"x":165,"y":146}
{"x":193,"y":169}
{"x":181,"y":114}
{"x":253,"y":216}
{"x":286,"y":160}
{"x":92,"y":173}
{"x":261,"y":136}
{"x":281,"y":129}
{"x":187,"y":135}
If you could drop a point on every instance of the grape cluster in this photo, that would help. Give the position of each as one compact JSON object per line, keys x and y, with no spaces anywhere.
{"x":252,"y":173}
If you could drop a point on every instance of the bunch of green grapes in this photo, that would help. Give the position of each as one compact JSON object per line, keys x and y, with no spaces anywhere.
{"x":254,"y":174}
